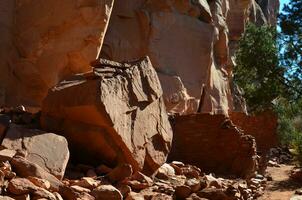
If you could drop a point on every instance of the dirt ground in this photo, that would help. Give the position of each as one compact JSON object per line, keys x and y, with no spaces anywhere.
{"x":282,"y":187}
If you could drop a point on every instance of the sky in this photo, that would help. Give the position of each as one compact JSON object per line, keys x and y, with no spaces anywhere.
{"x":283,"y":2}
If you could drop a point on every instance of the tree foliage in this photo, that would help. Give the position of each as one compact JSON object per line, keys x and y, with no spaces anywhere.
{"x":269,"y":69}
{"x":290,"y":22}
{"x":258,"y":71}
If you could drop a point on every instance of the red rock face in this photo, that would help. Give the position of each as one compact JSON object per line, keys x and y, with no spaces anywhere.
{"x":262,"y":126}
{"x":115,"y":116}
{"x":212,"y":143}
{"x":43,"y":42}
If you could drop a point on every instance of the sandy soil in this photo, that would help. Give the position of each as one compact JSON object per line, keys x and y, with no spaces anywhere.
{"x":282,"y":187}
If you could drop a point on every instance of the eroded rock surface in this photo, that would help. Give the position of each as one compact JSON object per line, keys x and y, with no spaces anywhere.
{"x":45,"y":41}
{"x":48,"y":150}
{"x":180,"y":37}
{"x":114,"y":115}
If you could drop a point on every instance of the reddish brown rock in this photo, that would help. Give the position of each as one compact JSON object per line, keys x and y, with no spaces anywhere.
{"x":48,"y":150}
{"x":213,"y":194}
{"x":262,"y":126}
{"x":69,"y":193}
{"x":25,"y":168}
{"x":20,"y":186}
{"x":118,"y":118}
{"x":87,"y":182}
{"x":6,"y":198}
{"x":42,"y":193}
{"x":165,"y":172}
{"x":135,"y":196}
{"x":200,"y":140}
{"x":7,"y":154}
{"x":44,"y":42}
{"x":39,"y":182}
{"x":178,"y":36}
{"x":183,"y":191}
{"x":120,"y":173}
{"x":106,"y":192}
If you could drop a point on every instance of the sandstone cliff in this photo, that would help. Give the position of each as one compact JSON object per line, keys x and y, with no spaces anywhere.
{"x":190,"y":43}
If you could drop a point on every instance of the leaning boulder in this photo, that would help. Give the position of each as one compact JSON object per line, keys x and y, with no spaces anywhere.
{"x":112,"y":116}
{"x":48,"y":150}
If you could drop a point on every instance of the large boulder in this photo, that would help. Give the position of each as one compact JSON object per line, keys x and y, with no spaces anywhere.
{"x":114,"y":115}
{"x":48,"y":150}
{"x":44,"y":41}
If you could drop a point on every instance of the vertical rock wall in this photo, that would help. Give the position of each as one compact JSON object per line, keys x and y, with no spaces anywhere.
{"x":191,"y":45}
{"x":45,"y":41}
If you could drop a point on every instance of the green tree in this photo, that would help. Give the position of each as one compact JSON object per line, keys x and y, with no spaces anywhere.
{"x":290,"y":21}
{"x":258,"y":71}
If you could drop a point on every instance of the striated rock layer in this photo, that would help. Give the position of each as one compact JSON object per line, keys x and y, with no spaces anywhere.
{"x":114,"y":115}
{"x":42,"y":42}
{"x":191,"y":45}
{"x":187,"y":45}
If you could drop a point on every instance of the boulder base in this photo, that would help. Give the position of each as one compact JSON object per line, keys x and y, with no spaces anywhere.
{"x":113,"y":115}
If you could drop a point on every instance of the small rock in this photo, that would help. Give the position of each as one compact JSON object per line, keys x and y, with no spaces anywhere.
{"x":165,"y":172}
{"x":42,"y":183}
{"x":21,"y":197}
{"x":48,"y":150}
{"x":272,"y":164}
{"x":177,"y":169}
{"x":20,"y":186}
{"x":69,"y":193}
{"x":191,"y":172}
{"x":194,"y":184}
{"x":6,"y":198}
{"x":142,"y":178}
{"x":135,"y":196}
{"x":80,"y":189}
{"x":25,"y":168}
{"x":87,"y":182}
{"x":120,"y":173}
{"x":212,"y":181}
{"x":160,"y":196}
{"x":42,"y":193}
{"x":7,"y":154}
{"x":212,"y":193}
{"x":178,"y":163}
{"x":136,"y":185}
{"x":182,"y":191}
{"x":106,"y":192}
{"x":124,"y":189}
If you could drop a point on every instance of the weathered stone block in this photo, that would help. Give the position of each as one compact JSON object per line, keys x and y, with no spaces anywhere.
{"x":115,"y":115}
